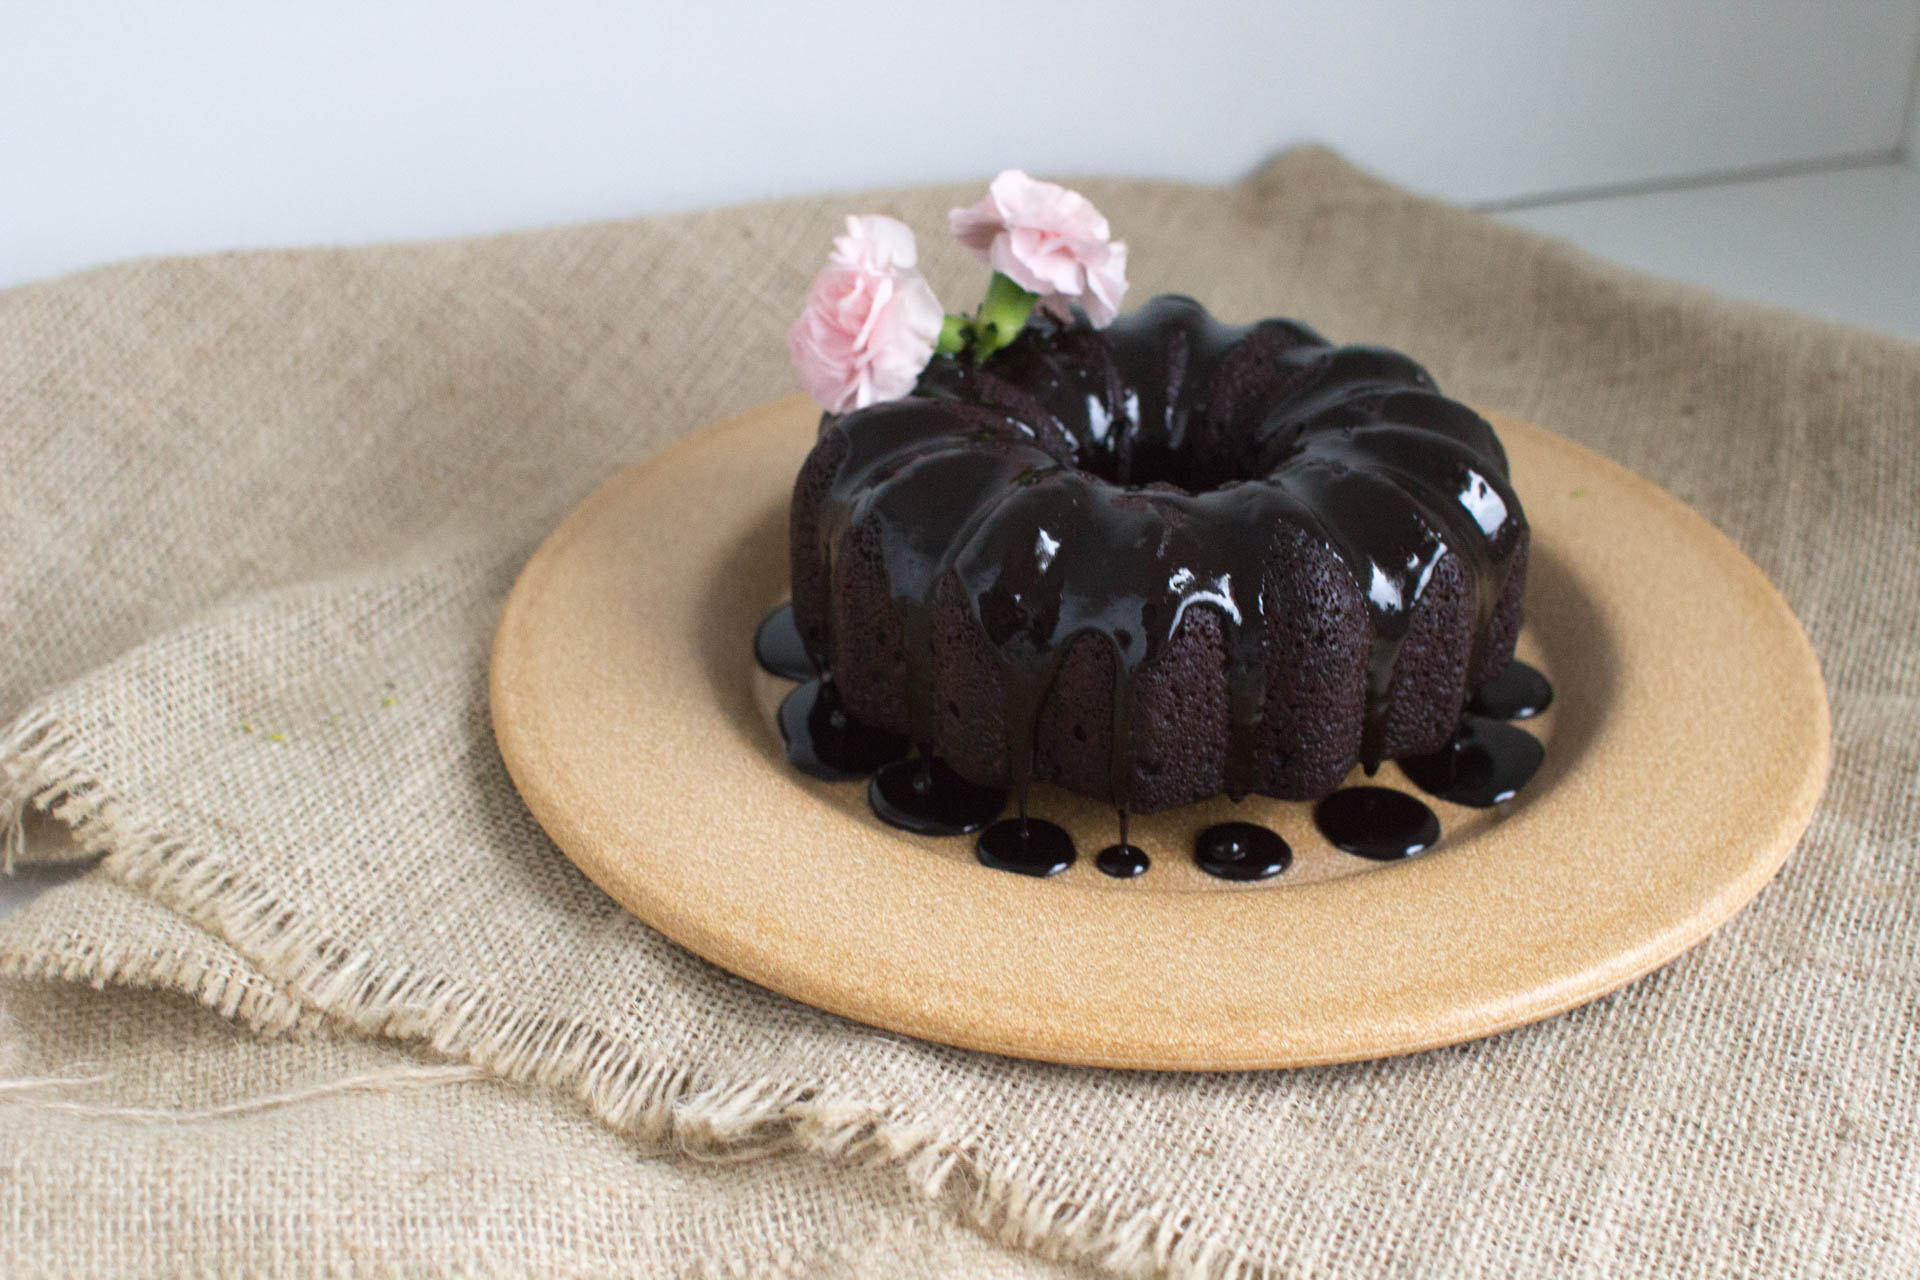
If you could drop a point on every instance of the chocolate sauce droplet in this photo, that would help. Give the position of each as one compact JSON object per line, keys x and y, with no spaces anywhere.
{"x":1241,"y":851}
{"x":1377,"y":823}
{"x":926,"y":797}
{"x":1122,"y":861}
{"x":1028,"y":846}
{"x":1516,"y":693}
{"x":778,"y":647}
{"x":1486,"y":764}
{"x":824,"y":740}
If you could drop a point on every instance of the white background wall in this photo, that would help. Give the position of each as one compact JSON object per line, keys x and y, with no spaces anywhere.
{"x":1910,"y":149}
{"x":129,"y":129}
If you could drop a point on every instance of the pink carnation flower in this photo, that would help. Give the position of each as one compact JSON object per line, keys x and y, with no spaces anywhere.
{"x":870,"y":322}
{"x":1049,"y":241}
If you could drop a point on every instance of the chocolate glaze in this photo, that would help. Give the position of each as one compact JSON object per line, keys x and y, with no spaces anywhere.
{"x":778,"y":647}
{"x":1486,"y":764}
{"x":1082,"y":482}
{"x":1377,"y":823}
{"x":1125,"y":860}
{"x":1241,"y":851}
{"x":827,"y":743}
{"x":1122,"y":861}
{"x":1518,"y":693}
{"x":1028,"y":846}
{"x":926,"y":797}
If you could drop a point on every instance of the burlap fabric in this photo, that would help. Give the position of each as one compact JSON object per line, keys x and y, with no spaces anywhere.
{"x":261,"y":514}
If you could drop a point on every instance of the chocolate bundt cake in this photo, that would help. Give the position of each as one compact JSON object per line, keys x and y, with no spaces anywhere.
{"x":1161,"y":561}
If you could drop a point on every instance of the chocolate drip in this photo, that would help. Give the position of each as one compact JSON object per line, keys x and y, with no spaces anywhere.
{"x":926,"y":797}
{"x":778,"y":647}
{"x":1377,"y":823}
{"x":1106,"y":482}
{"x":1486,"y":764}
{"x":823,"y":740}
{"x":1026,"y":846}
{"x":1241,"y":851}
{"x":1125,"y":860}
{"x":1520,"y":692}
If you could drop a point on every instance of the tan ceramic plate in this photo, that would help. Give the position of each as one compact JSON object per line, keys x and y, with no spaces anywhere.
{"x":1685,"y":752}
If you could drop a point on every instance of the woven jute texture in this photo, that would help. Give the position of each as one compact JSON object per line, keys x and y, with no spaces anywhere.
{"x":261,"y":512}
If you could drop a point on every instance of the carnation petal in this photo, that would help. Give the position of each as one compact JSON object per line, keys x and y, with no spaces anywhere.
{"x":976,"y":225}
{"x":1049,"y":240}
{"x":870,"y":321}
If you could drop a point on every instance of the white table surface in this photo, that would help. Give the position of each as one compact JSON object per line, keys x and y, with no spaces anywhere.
{"x":1843,"y":243}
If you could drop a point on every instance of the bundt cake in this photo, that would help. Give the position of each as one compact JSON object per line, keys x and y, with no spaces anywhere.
{"x":1161,"y":561}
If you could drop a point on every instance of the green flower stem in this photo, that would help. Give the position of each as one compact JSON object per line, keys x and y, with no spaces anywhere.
{"x":954,"y":332}
{"x":1001,"y":316}
{"x":998,"y":322}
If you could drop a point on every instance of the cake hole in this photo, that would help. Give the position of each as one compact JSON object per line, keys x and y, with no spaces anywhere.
{"x":1079,"y":733}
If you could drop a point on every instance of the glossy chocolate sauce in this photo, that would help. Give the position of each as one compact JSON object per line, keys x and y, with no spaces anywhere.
{"x":1377,"y":822}
{"x":778,"y":648}
{"x":1125,"y":860}
{"x":1122,"y":861}
{"x":1241,"y":851}
{"x":1026,"y":846}
{"x":1104,"y":483}
{"x":1486,"y":764}
{"x":926,"y":797}
{"x":825,"y":742}
{"x":1517,"y":693}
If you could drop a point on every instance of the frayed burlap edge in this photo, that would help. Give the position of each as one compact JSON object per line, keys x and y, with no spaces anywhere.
{"x":260,"y":1009}
{"x":44,"y":767}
